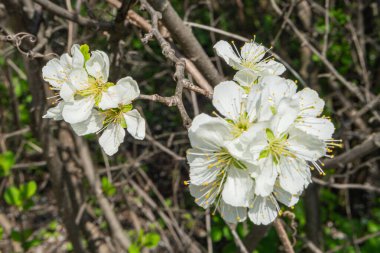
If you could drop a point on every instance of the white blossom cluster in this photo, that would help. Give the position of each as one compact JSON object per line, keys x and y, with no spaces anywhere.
{"x":263,"y":142}
{"x":89,"y":102}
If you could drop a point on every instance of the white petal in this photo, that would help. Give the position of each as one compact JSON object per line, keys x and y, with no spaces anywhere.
{"x":252,"y":52}
{"x":253,"y":102}
{"x":225,"y":50}
{"x":305,"y":146}
{"x":245,"y":78}
{"x":204,"y":195}
{"x":54,"y":73}
{"x":78,"y":110}
{"x":135,"y":124}
{"x":93,"y":124}
{"x":263,"y":210}
{"x":287,"y":112}
{"x":285,"y":197}
{"x":294,"y":175}
{"x":98,"y":65}
{"x":232,"y":214}
{"x":202,"y":167}
{"x":124,"y":92}
{"x":249,"y":144}
{"x":109,"y":100}
{"x":275,"y":88}
{"x":78,"y":58}
{"x":66,"y":62}
{"x":208,"y":133}
{"x":266,"y":178}
{"x":128,"y":88}
{"x":270,"y":68}
{"x":54,"y":113}
{"x":67,"y":92}
{"x":319,"y":127}
{"x":227,"y":99}
{"x":237,"y":187}
{"x":310,"y":103}
{"x":111,"y":138}
{"x":79,"y":79}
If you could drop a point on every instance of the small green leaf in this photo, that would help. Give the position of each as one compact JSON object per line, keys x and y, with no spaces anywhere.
{"x":151,"y":240}
{"x":107,"y":187}
{"x":16,"y":236}
{"x":28,"y":190}
{"x":264,"y":154}
{"x":12,"y":196}
{"x":216,"y":234}
{"x":123,"y":123}
{"x":7,"y":160}
{"x":32,"y":243}
{"x":127,"y":108}
{"x":1,"y":233}
{"x":270,"y":135}
{"x":134,"y":248}
{"x":85,"y":50}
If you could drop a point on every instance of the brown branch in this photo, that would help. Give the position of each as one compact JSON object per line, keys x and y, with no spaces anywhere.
{"x":169,"y":53}
{"x":365,"y":187}
{"x":283,"y":236}
{"x":186,"y":39}
{"x":63,"y":13}
{"x":94,"y":181}
{"x":371,"y":144}
{"x":237,"y":239}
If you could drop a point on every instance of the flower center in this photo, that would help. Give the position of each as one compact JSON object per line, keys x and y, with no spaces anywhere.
{"x":116,"y":115}
{"x":241,"y":125}
{"x":277,"y":147}
{"x":96,"y":89}
{"x":225,"y":159}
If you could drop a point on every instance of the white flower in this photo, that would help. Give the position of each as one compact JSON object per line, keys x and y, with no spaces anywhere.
{"x":251,"y":58}
{"x":57,"y":71}
{"x":239,"y":108}
{"x":281,"y":151}
{"x":119,"y":115}
{"x":116,"y":115}
{"x":89,"y":86}
{"x":215,"y":176}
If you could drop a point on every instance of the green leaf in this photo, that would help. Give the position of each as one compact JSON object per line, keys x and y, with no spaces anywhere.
{"x":32,"y":243}
{"x":264,"y":154}
{"x":127,"y":108}
{"x":107,"y":187}
{"x":1,"y":233}
{"x":7,"y":160}
{"x":134,"y":248}
{"x":12,"y":196}
{"x":123,"y":123}
{"x":270,"y":135}
{"x":16,"y":236}
{"x":85,"y":50}
{"x":28,"y":190}
{"x":216,"y":234}
{"x":151,"y":240}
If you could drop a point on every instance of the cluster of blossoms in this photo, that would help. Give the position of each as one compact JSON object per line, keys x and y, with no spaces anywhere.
{"x":89,"y":102}
{"x":260,"y":148}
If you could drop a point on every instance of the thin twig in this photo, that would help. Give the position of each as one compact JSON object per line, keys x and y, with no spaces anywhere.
{"x":283,"y":236}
